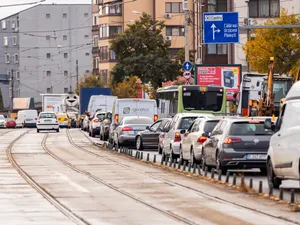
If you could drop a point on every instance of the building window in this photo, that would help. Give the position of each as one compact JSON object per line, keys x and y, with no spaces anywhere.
{"x":86,"y":36}
{"x":16,"y":58}
{"x":87,"y":54}
{"x":65,"y":15}
{"x":264,"y":8}
{"x":66,"y":73}
{"x":104,"y":30}
{"x":48,"y":16}
{"x":112,"y":55}
{"x":13,"y":24}
{"x":48,"y":90}
{"x":7,"y":58}
{"x":114,"y":31}
{"x":18,"y":22}
{"x":87,"y":71}
{"x":5,"y":41}
{"x":174,"y":31}
{"x":66,"y":90}
{"x":18,"y":75}
{"x":174,"y":7}
{"x":95,"y":20}
{"x":216,"y":49}
{"x":3,"y":24}
{"x":48,"y":37}
{"x":217,"y":5}
{"x":65,"y":37}
{"x":95,"y":40}
{"x":65,"y":55}
{"x":104,"y":76}
{"x":115,"y":9}
{"x":48,"y":73}
{"x":48,"y":55}
{"x":15,"y":42}
{"x":103,"y":53}
{"x":86,"y":15}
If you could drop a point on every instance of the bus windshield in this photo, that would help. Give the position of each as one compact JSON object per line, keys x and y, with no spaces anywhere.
{"x":197,"y":100}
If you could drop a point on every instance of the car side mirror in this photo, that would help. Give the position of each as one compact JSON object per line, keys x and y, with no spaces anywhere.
{"x":148,"y":128}
{"x":182,"y":131}
{"x":268,"y":124}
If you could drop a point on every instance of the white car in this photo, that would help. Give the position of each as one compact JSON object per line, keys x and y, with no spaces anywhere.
{"x":85,"y":123}
{"x":94,"y":125}
{"x":2,"y":121}
{"x":172,"y":139}
{"x":47,"y":121}
{"x":283,"y":160}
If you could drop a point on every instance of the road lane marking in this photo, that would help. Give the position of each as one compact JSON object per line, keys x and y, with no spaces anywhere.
{"x":73,"y":184}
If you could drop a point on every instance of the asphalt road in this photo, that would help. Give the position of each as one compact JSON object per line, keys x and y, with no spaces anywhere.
{"x":71,"y":181}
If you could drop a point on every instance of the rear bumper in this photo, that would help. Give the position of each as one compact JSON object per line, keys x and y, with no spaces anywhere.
{"x":96,"y":130}
{"x":176,"y":148}
{"x":126,"y":139}
{"x":30,"y":125}
{"x":47,"y":126}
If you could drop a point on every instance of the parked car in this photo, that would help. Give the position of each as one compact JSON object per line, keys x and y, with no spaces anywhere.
{"x":47,"y":121}
{"x":161,"y":136}
{"x":193,"y":139}
{"x":94,"y":124}
{"x":20,"y":120}
{"x":79,"y":123}
{"x":2,"y":121}
{"x":237,"y":143}
{"x":104,"y":126}
{"x":73,"y":117}
{"x":125,"y":132}
{"x":64,"y":120}
{"x":10,"y":123}
{"x":85,"y":123}
{"x":283,"y":159}
{"x":181,"y":121}
{"x":149,"y":138}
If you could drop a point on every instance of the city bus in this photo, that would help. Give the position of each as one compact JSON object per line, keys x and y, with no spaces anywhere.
{"x":190,"y":99}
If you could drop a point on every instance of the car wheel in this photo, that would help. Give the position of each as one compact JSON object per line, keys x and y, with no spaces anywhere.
{"x":172,"y":156}
{"x":92,"y":133}
{"x":37,"y":130}
{"x":203,"y":160}
{"x":163,"y":155}
{"x":219,"y":164}
{"x":57,"y":130}
{"x":138,"y":143}
{"x":159,"y":150}
{"x":181,"y":159}
{"x":272,"y":179}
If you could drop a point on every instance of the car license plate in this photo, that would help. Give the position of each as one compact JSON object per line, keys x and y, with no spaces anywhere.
{"x":131,"y":132}
{"x":48,"y":120}
{"x":29,"y":119}
{"x":256,"y":156}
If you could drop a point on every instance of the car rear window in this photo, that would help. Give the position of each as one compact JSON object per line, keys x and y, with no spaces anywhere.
{"x":138,"y":121}
{"x":209,"y":126}
{"x":47,"y":115}
{"x":185,"y":123}
{"x":246,"y":128}
{"x":101,"y":116}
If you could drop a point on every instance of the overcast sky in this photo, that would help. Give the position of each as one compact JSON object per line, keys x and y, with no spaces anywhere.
{"x":6,"y":11}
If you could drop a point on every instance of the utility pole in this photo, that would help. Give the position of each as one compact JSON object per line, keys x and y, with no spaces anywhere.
{"x":248,"y":34}
{"x":200,"y":32}
{"x":77,"y":74}
{"x":186,"y":30}
{"x":12,"y":90}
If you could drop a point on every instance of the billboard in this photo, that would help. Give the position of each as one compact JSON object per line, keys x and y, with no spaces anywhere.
{"x":227,"y":76}
{"x":53,"y":103}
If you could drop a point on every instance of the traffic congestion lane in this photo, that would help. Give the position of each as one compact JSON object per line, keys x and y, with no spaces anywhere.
{"x":19,"y":202}
{"x":249,"y":174}
{"x":182,"y":184}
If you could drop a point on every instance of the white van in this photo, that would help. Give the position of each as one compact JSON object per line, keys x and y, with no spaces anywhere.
{"x":28,"y":118}
{"x":20,"y":119}
{"x":283,"y":160}
{"x":100,"y":103}
{"x":132,"y":107}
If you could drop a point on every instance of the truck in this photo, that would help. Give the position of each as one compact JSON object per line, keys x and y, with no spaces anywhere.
{"x":86,"y":93}
{"x":100,"y":103}
{"x":52,"y":102}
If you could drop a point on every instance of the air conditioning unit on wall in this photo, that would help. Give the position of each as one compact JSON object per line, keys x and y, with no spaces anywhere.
{"x":168,"y":38}
{"x":168,"y":15}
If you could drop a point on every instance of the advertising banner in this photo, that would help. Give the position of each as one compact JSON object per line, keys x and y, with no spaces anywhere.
{"x":227,"y":76}
{"x":52,"y":104}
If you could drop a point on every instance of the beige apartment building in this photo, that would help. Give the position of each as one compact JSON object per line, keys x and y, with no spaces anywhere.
{"x":111,"y":19}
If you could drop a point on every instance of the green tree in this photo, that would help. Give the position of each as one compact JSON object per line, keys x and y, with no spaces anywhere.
{"x":1,"y":101}
{"x":89,"y":81}
{"x":128,"y":88}
{"x":281,"y":43}
{"x":142,"y":51}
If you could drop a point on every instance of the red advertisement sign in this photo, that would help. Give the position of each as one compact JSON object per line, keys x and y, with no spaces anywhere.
{"x":228,"y":77}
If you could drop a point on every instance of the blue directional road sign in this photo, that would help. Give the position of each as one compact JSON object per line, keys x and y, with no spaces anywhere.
{"x":187,"y":66}
{"x":220,"y":27}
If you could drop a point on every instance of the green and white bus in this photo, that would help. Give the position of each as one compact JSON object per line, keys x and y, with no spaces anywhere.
{"x":190,"y":99}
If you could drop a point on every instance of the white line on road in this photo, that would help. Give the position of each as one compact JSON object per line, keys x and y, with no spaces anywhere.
{"x":73,"y":184}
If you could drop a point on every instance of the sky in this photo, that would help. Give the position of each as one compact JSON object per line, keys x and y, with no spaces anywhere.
{"x":6,"y":11}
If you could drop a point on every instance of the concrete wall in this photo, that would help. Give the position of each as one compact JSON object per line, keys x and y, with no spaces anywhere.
{"x":35,"y":64}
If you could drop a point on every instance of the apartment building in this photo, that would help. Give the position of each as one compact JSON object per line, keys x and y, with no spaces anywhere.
{"x":48,"y":45}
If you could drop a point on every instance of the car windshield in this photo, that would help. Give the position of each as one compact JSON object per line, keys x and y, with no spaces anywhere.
{"x":109,"y":116}
{"x":248,"y":128}
{"x":2,"y":117}
{"x":101,"y":116}
{"x":47,"y":115}
{"x":209,"y":126}
{"x":186,"y":122}
{"x":137,"y":120}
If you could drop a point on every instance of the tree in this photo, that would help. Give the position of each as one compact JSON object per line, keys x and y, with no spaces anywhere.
{"x":142,"y":51}
{"x":281,"y":43}
{"x":89,"y":81}
{"x":128,"y":88}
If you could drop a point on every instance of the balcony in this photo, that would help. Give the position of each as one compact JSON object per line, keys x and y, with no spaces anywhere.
{"x":95,"y":50}
{"x":95,"y":29}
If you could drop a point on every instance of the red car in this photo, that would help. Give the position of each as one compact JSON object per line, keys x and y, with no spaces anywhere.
{"x":11,"y":123}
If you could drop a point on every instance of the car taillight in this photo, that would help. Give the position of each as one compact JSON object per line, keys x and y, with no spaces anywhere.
{"x":177,"y":137}
{"x":117,"y":118}
{"x":38,"y":119}
{"x":232,"y":140}
{"x":155,"y":118}
{"x":126,"y":128}
{"x":56,"y":121}
{"x":201,"y":139}
{"x":96,"y":120}
{"x":245,"y":112}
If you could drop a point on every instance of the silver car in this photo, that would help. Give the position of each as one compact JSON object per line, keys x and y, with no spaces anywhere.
{"x":125,"y":132}
{"x":172,"y":139}
{"x":2,"y":121}
{"x":192,"y":142}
